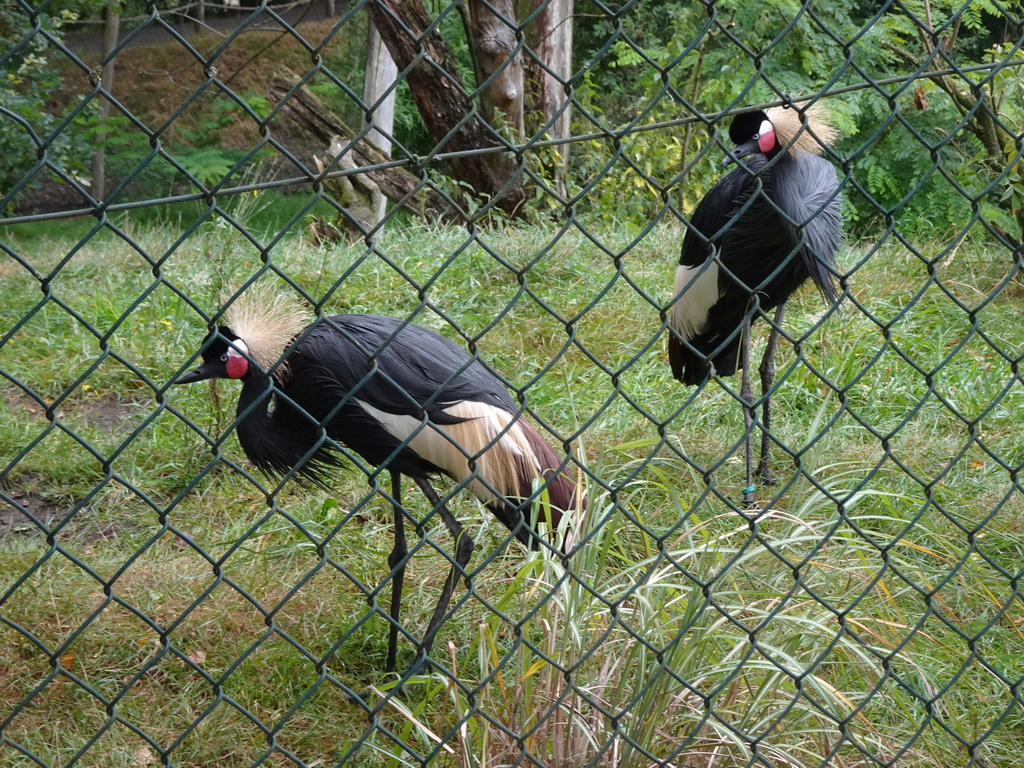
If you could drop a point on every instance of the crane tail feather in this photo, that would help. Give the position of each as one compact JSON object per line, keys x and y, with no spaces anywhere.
{"x":498,"y":455}
{"x":563,"y":494}
{"x":512,"y":458}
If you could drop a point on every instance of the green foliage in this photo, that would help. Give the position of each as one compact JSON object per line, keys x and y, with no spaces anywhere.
{"x":898,"y":174}
{"x":654,"y":64}
{"x":1006,"y":89}
{"x":202,"y":148}
{"x":28,"y":75}
{"x":915,"y":161}
{"x":670,"y":62}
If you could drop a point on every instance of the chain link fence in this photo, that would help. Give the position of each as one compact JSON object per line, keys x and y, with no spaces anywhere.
{"x":163,"y":603}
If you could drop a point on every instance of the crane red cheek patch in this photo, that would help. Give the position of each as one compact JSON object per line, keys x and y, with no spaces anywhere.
{"x":237,"y":366}
{"x":766,"y":141}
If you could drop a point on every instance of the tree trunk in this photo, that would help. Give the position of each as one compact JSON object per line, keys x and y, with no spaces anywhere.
{"x":445,"y":105}
{"x":112,"y":23}
{"x":491,"y":27}
{"x":396,"y":184}
{"x":548,"y":71}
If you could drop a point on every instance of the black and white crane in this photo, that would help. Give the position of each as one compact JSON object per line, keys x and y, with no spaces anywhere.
{"x":758,"y":235}
{"x":403,"y":398}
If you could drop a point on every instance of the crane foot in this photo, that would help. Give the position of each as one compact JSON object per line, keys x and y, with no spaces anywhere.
{"x":765,"y":475}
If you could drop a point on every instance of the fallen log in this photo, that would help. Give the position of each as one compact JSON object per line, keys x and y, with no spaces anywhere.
{"x":412,"y":193}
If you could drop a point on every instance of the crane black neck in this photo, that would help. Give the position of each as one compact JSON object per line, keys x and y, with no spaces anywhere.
{"x":257,"y":390}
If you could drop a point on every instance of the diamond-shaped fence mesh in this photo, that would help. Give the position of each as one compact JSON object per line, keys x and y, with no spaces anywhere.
{"x":518,"y":178}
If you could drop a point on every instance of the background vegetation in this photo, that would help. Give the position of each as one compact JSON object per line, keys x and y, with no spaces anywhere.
{"x":910,"y":149}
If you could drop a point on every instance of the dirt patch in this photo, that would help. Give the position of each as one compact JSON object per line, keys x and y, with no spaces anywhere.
{"x":156,"y":80}
{"x":25,"y":493}
{"x":156,"y":76}
{"x":14,"y":520}
{"x":29,"y":490}
{"x":103,"y":412}
{"x":106,"y":413}
{"x":51,"y":195}
{"x":16,"y":400}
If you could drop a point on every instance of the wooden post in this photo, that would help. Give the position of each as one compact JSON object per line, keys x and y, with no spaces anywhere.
{"x":381,"y":72}
{"x":112,"y":23}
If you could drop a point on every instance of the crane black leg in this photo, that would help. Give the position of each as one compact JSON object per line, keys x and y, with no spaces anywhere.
{"x":463,"y":552}
{"x":764,"y":468}
{"x":747,"y":396}
{"x":396,"y":561}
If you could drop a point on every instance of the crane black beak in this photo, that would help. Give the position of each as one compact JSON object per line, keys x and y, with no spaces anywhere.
{"x":742,"y":150}
{"x":204,"y":371}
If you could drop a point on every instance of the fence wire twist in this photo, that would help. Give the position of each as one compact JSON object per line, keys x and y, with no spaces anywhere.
{"x":162,"y":603}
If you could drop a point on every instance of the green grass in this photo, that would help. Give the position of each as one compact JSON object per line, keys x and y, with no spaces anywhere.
{"x":871,"y":611}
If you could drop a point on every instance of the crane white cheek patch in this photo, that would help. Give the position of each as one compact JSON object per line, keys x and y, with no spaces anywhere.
{"x":766,"y":137}
{"x":237,"y":365}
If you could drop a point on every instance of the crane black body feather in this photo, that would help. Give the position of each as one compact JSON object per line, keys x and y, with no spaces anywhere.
{"x":769,"y":226}
{"x":344,"y":363}
{"x":336,"y":364}
{"x":402,"y":398}
{"x":763,"y":230}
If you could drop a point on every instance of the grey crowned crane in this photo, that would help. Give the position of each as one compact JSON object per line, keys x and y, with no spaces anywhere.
{"x":758,"y":235}
{"x":403,"y":398}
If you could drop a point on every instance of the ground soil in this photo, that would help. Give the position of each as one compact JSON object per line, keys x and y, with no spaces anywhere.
{"x":28,"y":491}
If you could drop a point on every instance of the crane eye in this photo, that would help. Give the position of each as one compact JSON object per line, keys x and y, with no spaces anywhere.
{"x":757,"y":136}
{"x":224,"y":357}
